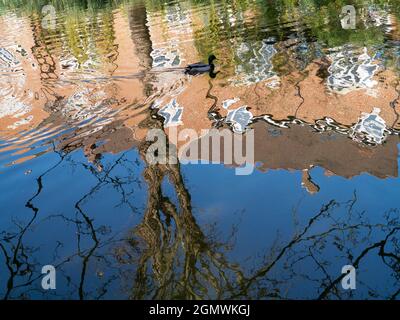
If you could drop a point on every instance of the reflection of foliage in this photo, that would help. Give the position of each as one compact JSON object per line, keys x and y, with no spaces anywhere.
{"x":37,"y":5}
{"x":234,"y":20}
{"x":89,"y":33}
{"x":317,"y":20}
{"x":81,"y":24}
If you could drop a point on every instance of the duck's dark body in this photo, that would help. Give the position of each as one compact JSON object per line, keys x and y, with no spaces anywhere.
{"x":198,"y":68}
{"x":201,"y":67}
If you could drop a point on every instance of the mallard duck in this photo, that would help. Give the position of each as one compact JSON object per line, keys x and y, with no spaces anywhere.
{"x":201,"y":67}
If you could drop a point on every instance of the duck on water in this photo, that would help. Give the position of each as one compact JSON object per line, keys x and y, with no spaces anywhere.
{"x":201,"y":67}
{"x":193,"y":69}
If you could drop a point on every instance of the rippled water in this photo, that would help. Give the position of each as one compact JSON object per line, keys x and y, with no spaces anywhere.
{"x":77,"y":191}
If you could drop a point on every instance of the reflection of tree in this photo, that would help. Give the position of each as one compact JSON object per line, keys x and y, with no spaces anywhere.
{"x":169,"y":255}
{"x":44,"y":57}
{"x":176,"y":260}
{"x":172,"y":255}
{"x":91,"y":238}
{"x":18,"y":257}
{"x":348,"y":238}
{"x":179,"y":261}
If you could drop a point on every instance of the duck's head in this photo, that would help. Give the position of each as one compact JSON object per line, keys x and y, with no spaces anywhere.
{"x":211,"y":59}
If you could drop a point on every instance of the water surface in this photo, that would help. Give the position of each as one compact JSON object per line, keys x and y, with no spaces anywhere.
{"x":77,"y":191}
